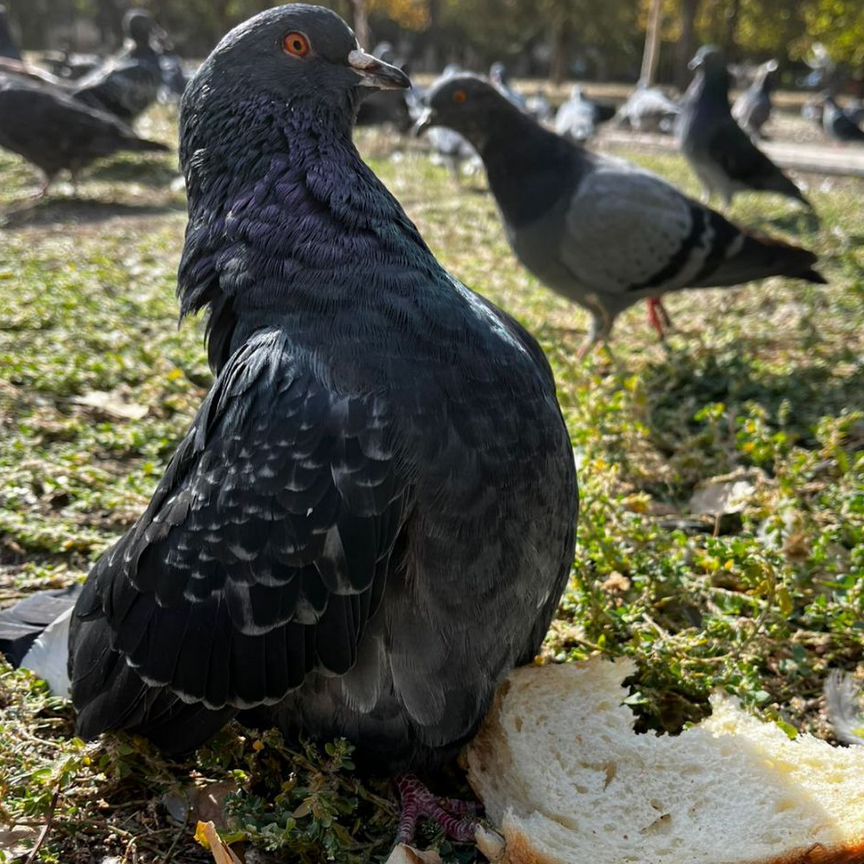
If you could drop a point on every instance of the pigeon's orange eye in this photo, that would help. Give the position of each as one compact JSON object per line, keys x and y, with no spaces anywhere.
{"x":460,"y":97}
{"x":296,"y":44}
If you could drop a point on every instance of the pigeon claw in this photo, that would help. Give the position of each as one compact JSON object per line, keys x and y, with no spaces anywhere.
{"x":457,"y":818}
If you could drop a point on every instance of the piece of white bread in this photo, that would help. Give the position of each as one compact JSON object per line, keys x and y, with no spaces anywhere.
{"x":566,"y":780}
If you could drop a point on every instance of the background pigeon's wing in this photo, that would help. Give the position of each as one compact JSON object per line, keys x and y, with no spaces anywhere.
{"x":50,"y":126}
{"x":733,"y":150}
{"x":263,"y":552}
{"x":125,"y":88}
{"x":628,"y":230}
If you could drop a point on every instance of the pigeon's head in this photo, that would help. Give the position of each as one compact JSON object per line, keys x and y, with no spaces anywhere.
{"x":466,"y":104}
{"x":708,"y":58}
{"x":297,"y":56}
{"x":141,"y":27}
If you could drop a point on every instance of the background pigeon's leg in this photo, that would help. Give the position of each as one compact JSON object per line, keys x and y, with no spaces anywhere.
{"x":601,"y":327}
{"x":454,"y":817}
{"x":658,"y":316}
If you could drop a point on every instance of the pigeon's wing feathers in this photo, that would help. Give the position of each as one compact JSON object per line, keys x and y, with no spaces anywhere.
{"x":662,"y":239}
{"x":126,"y":87}
{"x":265,"y":548}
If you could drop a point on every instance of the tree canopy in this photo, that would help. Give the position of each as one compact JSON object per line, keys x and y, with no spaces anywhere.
{"x":601,"y":38}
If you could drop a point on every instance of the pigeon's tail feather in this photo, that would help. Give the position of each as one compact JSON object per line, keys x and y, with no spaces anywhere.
{"x":23,"y":623}
{"x":145,"y":145}
{"x":760,"y":257}
{"x":777,"y":181}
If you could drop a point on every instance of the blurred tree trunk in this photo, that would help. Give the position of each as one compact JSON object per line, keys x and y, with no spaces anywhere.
{"x":651,"y":56}
{"x":361,"y":23}
{"x":561,"y":37}
{"x":731,"y":40}
{"x":687,"y":46}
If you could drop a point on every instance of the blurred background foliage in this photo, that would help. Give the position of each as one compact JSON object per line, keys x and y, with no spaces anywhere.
{"x":599,"y":39}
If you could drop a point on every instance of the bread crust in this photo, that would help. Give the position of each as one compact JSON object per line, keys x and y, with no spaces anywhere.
{"x":496,"y":772}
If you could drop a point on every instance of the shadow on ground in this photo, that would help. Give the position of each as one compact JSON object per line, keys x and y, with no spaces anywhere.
{"x":77,"y":211}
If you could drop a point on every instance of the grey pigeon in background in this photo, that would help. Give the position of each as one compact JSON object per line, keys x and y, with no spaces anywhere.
{"x":8,"y":47}
{"x":838,"y":125}
{"x":128,"y":83}
{"x":575,"y":117}
{"x":601,"y":231}
{"x":56,"y":132}
{"x":500,"y":77}
{"x":449,"y":148}
{"x":721,"y":153}
{"x":371,"y":520}
{"x":539,"y":107}
{"x":578,"y":117}
{"x":752,"y":109}
{"x":648,"y":109}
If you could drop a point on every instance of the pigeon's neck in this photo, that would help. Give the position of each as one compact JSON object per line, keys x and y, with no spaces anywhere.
{"x":529,"y":167}
{"x":290,"y":227}
{"x":710,"y":88}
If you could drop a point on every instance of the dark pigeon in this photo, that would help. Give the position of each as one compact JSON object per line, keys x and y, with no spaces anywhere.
{"x":601,"y":231}
{"x":753,"y":107}
{"x":371,"y":520}
{"x":128,"y":84}
{"x":56,"y":132}
{"x":8,"y":47}
{"x":721,"y":153}
{"x":838,"y":125}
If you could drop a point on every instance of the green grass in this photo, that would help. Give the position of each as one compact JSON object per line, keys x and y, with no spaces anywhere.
{"x":764,"y":383}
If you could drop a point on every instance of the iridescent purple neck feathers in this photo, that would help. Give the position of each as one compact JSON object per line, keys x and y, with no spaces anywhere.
{"x":285,"y":219}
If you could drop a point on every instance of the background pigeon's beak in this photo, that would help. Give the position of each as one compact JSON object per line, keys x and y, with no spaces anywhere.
{"x":424,"y":121}
{"x":376,"y":73}
{"x":695,"y":63}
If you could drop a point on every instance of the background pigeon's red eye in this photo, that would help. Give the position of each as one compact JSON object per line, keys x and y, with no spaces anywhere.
{"x":296,"y":44}
{"x":460,"y":97}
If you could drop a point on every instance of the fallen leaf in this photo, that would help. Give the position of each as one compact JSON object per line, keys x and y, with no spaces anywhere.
{"x":17,"y":842}
{"x":722,"y":495}
{"x":112,"y":404}
{"x":491,"y":844}
{"x":404,"y":854}
{"x":207,"y":835}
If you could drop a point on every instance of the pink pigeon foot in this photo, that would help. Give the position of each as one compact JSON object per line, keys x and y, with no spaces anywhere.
{"x":457,"y":818}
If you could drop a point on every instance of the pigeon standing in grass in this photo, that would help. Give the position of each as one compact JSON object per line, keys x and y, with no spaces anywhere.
{"x":601,"y":231}
{"x":721,"y":153}
{"x":838,"y":125}
{"x":56,"y":132}
{"x":578,"y":117}
{"x":8,"y":48}
{"x":371,"y":520}
{"x":753,"y":107}
{"x":129,"y":83}
{"x":500,"y":77}
{"x":648,"y":109}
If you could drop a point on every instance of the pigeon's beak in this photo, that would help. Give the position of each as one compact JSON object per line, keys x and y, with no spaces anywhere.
{"x":695,"y":63}
{"x":424,"y":121}
{"x":376,"y":73}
